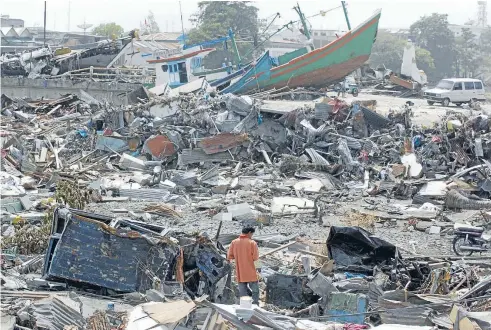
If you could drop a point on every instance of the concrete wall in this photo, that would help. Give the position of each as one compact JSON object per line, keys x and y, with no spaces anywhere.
{"x":53,"y":88}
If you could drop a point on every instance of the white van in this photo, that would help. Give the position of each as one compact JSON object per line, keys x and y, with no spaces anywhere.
{"x":456,"y":90}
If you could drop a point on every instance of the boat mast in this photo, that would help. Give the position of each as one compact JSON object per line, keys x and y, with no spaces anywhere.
{"x":182,"y":25}
{"x":346,"y":15}
{"x":306,"y":31}
{"x":234,"y":46}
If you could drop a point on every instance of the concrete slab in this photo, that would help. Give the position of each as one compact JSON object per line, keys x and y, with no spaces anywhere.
{"x":223,"y":216}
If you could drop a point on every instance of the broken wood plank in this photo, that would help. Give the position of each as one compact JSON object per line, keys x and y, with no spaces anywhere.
{"x":277,"y":249}
{"x":313,"y":254}
{"x":54,"y":109}
{"x":42,"y":155}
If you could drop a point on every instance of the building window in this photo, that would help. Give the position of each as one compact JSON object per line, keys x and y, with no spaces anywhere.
{"x":165,"y":67}
{"x":323,"y":34}
{"x":316,"y":34}
{"x":183,"y":74}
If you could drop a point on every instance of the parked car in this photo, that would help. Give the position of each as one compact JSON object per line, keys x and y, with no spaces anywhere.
{"x":455,"y":90}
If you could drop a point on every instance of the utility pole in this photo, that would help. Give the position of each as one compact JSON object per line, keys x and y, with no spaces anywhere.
{"x":44,"y":31}
{"x":346,"y":14}
{"x":182,"y":25}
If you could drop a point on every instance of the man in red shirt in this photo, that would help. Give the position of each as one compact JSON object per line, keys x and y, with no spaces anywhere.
{"x":244,"y":250}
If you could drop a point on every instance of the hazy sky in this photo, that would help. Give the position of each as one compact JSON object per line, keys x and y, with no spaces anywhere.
{"x":129,"y":14}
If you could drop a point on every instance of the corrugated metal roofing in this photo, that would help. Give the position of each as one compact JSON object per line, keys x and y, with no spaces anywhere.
{"x":316,"y":158}
{"x":191,"y":156}
{"x":222,"y":142}
{"x":161,"y":36}
{"x":155,"y":45}
{"x":9,"y":32}
{"x":23,"y":30}
{"x":145,"y":194}
{"x":57,"y":312}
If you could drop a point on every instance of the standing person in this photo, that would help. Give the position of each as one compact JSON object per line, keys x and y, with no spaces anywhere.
{"x":244,"y":251}
{"x":342,"y":90}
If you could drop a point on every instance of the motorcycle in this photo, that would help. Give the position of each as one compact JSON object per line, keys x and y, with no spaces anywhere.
{"x":469,"y":239}
{"x":349,"y":86}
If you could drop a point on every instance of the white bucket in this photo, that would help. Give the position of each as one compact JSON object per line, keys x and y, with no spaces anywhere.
{"x":246,"y":302}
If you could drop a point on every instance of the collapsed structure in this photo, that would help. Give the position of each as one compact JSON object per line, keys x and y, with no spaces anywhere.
{"x":143,"y":200}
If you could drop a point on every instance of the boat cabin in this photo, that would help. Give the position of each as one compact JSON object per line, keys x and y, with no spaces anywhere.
{"x":186,"y":67}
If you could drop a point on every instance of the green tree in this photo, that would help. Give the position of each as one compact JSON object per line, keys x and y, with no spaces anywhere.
{"x":150,"y":26}
{"x":110,"y":30}
{"x":485,"y":51}
{"x":388,"y":50}
{"x":425,"y":61}
{"x":485,"y":40}
{"x":432,"y":33}
{"x":213,"y":20}
{"x":467,"y":59}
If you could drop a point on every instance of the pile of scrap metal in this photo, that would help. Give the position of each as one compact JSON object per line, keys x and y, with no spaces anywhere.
{"x":90,"y":250}
{"x":51,"y":62}
{"x":233,"y":160}
{"x":367,"y":281}
{"x":410,"y":80}
{"x":350,"y":143}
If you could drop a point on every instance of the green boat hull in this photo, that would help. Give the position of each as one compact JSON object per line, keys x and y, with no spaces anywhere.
{"x":330,"y":63}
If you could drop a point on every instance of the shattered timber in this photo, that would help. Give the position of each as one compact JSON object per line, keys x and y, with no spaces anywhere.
{"x":371,"y":212}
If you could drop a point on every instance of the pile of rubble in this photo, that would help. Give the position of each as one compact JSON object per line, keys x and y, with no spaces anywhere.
{"x":128,"y":211}
{"x":51,"y":62}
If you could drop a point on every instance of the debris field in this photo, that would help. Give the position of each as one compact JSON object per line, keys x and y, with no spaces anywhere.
{"x":119,"y":217}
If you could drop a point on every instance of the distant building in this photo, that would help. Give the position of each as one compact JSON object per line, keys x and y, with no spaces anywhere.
{"x":457,"y":30}
{"x":284,"y":41}
{"x":11,"y":22}
{"x":17,"y":40}
{"x":399,"y":33}
{"x":148,"y":47}
{"x":325,"y":37}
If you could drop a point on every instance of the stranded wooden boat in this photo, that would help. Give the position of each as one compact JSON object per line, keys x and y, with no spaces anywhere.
{"x":317,"y":68}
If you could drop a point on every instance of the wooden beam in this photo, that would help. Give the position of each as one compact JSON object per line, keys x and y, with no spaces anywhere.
{"x":277,"y":249}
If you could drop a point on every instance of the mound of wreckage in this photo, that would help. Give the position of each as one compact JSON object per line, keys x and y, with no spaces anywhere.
{"x":45,"y":62}
{"x":241,"y":160}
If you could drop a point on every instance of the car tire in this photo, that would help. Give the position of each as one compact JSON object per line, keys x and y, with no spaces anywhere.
{"x":430,"y":102}
{"x":446,"y":102}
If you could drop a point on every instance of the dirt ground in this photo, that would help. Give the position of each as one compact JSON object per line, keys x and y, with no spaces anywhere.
{"x":423,"y":113}
{"x":307,"y":226}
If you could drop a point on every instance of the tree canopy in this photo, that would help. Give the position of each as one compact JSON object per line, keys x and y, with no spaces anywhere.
{"x":388,"y":50}
{"x":485,"y":40}
{"x":214,"y":18}
{"x":439,"y":52}
{"x":432,"y":33}
{"x":109,"y":30}
{"x":150,"y":25}
{"x":466,"y":53}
